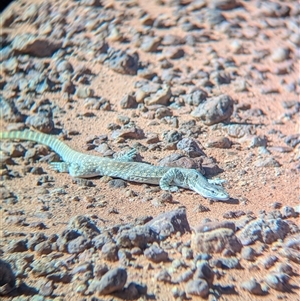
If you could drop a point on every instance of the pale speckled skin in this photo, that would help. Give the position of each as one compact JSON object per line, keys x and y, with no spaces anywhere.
{"x":81,"y":165}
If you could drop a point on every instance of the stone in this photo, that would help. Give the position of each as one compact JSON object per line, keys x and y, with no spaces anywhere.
{"x":138,"y":236}
{"x":169,"y":223}
{"x":266,"y":231}
{"x":7,"y":278}
{"x":156,"y":254}
{"x":36,"y":46}
{"x":198,"y":287}
{"x":277,"y":281}
{"x":113,"y":281}
{"x":214,"y":110}
{"x":216,"y":241}
{"x":253,"y":287}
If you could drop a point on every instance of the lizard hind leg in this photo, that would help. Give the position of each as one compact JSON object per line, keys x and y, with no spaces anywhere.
{"x":167,"y":179}
{"x":60,"y":166}
{"x":126,"y":157}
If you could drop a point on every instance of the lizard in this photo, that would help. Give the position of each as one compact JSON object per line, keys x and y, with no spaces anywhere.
{"x":81,"y":165}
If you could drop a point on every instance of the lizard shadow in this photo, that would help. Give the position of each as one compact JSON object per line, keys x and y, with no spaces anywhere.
{"x":230,"y":201}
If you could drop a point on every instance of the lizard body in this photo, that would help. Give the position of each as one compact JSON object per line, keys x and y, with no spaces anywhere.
{"x":80,"y":165}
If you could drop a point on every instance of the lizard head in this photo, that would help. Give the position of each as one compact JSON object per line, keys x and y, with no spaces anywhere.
{"x":198,"y":183}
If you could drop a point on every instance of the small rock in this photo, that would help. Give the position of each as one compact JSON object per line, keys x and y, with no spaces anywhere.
{"x":222,"y":142}
{"x":190,"y":147}
{"x":163,"y":276}
{"x":128,"y":102}
{"x":288,"y":212}
{"x":216,"y":241}
{"x":17,"y":246}
{"x":280,"y":54}
{"x":284,"y":268}
{"x":110,"y":251}
{"x":36,"y":46}
{"x":214,"y":110}
{"x":113,"y":281}
{"x":156,"y":254}
{"x":248,"y":253}
{"x":204,"y":271}
{"x":277,"y":281}
{"x":78,"y":245}
{"x":253,"y":287}
{"x":198,"y":287}
{"x":223,"y":4}
{"x":169,"y":223}
{"x":162,"y":97}
{"x":123,"y":62}
{"x":7,"y":278}
{"x":173,"y":52}
{"x":84,"y":92}
{"x":150,"y":44}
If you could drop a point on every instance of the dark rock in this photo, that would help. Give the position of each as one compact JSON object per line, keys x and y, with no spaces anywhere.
{"x":43,"y":248}
{"x":113,"y":281}
{"x":36,"y":239}
{"x":210,"y":226}
{"x":216,"y":241}
{"x":123,"y":63}
{"x":128,"y":102}
{"x":253,"y":287}
{"x":160,"y":97}
{"x":78,"y":245}
{"x":227,"y":263}
{"x":36,"y":46}
{"x":9,"y":112}
{"x":277,"y":281}
{"x":173,"y":53}
{"x":248,"y":253}
{"x":138,"y":236}
{"x":222,"y":142}
{"x":42,"y":121}
{"x":164,"y":276}
{"x":233,"y":214}
{"x":223,"y":4}
{"x":198,"y":287}
{"x":150,"y":44}
{"x":190,"y":147}
{"x":288,"y":212}
{"x":117,"y":183}
{"x":7,"y":278}
{"x":100,"y":240}
{"x":83,"y":225}
{"x":110,"y":251}
{"x":171,"y":136}
{"x":17,"y":246}
{"x":169,"y":223}
{"x":214,"y":110}
{"x":195,"y":98}
{"x":204,"y":271}
{"x":44,"y":266}
{"x":156,"y":254}
{"x":128,"y":133}
{"x":291,"y":254}
{"x":274,"y":10}
{"x":46,"y":289}
{"x":269,"y":261}
{"x":266,"y":231}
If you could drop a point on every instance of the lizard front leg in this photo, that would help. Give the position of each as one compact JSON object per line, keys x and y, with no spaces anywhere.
{"x":168,"y":178}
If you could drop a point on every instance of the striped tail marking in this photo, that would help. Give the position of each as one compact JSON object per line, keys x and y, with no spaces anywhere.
{"x":58,"y":146}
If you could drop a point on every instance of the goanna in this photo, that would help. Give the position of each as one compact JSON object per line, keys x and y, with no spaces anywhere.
{"x":80,"y":165}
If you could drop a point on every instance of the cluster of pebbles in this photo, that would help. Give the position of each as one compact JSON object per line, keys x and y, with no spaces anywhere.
{"x":92,"y":261}
{"x":201,"y":69}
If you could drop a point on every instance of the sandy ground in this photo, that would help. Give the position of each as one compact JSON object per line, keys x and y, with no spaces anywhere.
{"x":269,"y":106}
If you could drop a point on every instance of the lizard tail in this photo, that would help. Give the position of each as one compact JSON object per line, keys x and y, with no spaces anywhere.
{"x":58,"y":146}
